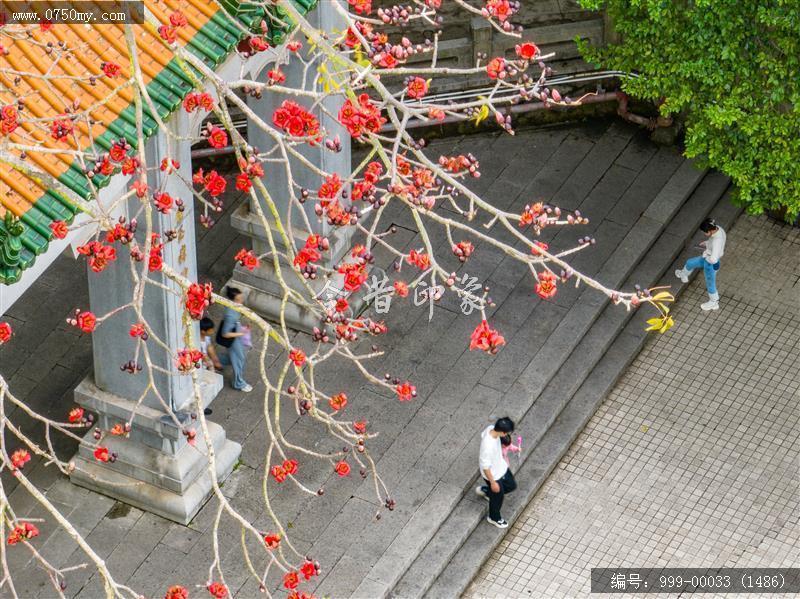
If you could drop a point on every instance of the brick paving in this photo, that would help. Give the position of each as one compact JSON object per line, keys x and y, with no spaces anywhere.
{"x":692,"y":461}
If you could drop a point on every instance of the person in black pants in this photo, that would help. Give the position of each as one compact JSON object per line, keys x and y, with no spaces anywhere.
{"x":494,"y":469}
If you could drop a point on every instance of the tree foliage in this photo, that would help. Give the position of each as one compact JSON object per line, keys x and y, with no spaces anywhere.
{"x":733,"y":67}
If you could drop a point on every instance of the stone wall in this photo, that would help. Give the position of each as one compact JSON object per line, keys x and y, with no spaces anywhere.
{"x":551,"y":24}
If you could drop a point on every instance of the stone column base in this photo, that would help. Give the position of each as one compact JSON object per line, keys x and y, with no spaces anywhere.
{"x":156,"y":470}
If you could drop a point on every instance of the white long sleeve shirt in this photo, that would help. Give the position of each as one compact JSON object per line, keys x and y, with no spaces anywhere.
{"x":715,"y":246}
{"x":491,"y":455}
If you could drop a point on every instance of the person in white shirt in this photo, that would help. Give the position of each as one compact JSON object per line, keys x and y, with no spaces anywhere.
{"x":494,"y":470}
{"x":714,"y":248}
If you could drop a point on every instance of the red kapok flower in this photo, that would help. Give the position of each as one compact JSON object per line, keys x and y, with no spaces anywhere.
{"x":217,"y":138}
{"x":278,"y":473}
{"x":177,"y":592}
{"x":111,"y":69}
{"x":141,"y":188}
{"x":9,"y":115}
{"x":101,"y":454}
{"x":401,"y":288}
{"x":354,"y":276}
{"x":291,"y":580}
{"x":99,"y":255}
{"x":406,"y":391}
{"x":306,"y":255}
{"x":486,"y":338}
{"x":138,"y":330}
{"x":342,"y":305}
{"x":296,"y":121}
{"x":362,"y":7}
{"x":129,"y":165}
{"x":420,"y":260}
{"x":546,"y":287}
{"x":463,"y":249}
{"x":360,"y":426}
{"x":436,"y":114}
{"x":308,"y":569}
{"x":500,"y":9}
{"x":361,"y":117}
{"x":75,"y":415}
{"x":338,"y":401}
{"x":294,"y":46}
{"x":258,"y":44}
{"x":19,"y":458}
{"x":188,"y":359}
{"x":218,"y":590}
{"x":214,"y":183}
{"x":164,"y":202}
{"x":168,"y":34}
{"x":198,"y":298}
{"x":61,"y":128}
{"x":272,"y":540}
{"x":59,"y":229}
{"x":298,"y":356}
{"x":5,"y":332}
{"x":247,"y":259}
{"x":342,"y":468}
{"x":86,"y":321}
{"x":275,"y":76}
{"x":495,"y":68}
{"x":22,"y":532}
{"x":243,"y":182}
{"x":527,"y":50}
{"x":538,"y":246}
{"x":117,"y":429}
{"x":416,"y":88}
{"x":290,"y":467}
{"x":118,"y":151}
{"x":178,"y":19}
{"x":330,"y":188}
{"x":156,"y":260}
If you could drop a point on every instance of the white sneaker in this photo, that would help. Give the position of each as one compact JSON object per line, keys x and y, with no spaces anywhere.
{"x":710,"y":305}
{"x":682,"y":275}
{"x":246,"y":389}
{"x":479,"y":491}
{"x":498,"y":523}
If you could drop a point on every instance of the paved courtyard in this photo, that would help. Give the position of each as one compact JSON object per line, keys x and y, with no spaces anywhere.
{"x":606,"y":168}
{"x":693,"y":460}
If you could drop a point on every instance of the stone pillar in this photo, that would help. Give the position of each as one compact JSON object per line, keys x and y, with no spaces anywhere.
{"x":157,"y":469}
{"x":263,"y":294}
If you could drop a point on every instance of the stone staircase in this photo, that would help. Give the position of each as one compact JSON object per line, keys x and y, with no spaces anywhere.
{"x":572,"y":394}
{"x":444,"y":543}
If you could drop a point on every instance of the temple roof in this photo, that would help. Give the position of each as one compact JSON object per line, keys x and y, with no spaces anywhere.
{"x":211,"y":35}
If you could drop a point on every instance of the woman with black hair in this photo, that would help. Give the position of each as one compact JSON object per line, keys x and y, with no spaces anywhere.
{"x":230,"y":336}
{"x":714,"y":248}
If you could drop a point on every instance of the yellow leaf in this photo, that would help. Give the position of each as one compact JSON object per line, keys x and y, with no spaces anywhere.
{"x":655,"y":324}
{"x":359,"y":56}
{"x":663,"y":296}
{"x":668,"y":322}
{"x":483,"y":113}
{"x":645,"y":428}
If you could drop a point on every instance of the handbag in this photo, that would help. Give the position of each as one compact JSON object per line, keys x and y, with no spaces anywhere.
{"x":225,"y":341}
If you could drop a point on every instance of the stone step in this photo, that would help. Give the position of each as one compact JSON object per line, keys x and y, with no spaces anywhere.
{"x":450,"y":561}
{"x":546,"y":366}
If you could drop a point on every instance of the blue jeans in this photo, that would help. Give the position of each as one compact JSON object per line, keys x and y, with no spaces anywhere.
{"x":710,"y":271}
{"x":236,"y":357}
